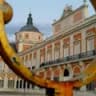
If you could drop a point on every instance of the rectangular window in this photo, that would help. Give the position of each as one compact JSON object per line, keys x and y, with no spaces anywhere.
{"x":11,"y":83}
{"x":1,"y":83}
{"x":90,"y":44}
{"x":56,"y":78}
{"x":57,"y":54}
{"x":49,"y":57}
{"x":42,"y":59}
{"x":77,"y":49}
{"x":66,"y":51}
{"x":34,"y":61}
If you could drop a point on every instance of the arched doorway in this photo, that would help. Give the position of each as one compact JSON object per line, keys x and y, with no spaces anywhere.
{"x":66,"y":73}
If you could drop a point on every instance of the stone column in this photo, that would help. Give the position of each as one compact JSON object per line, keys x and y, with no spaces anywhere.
{"x":61,"y":77}
{"x":38,"y":59}
{"x":45,"y":54}
{"x":52,"y":51}
{"x":15,"y":82}
{"x":83,"y":49}
{"x":84,"y":87}
{"x":61,"y":48}
{"x":52,"y":74}
{"x":71,"y":45}
{"x":5,"y":81}
{"x":24,"y":60}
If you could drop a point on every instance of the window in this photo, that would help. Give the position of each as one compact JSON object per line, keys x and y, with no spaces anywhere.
{"x":50,"y":91}
{"x":56,"y":78}
{"x":28,"y":85}
{"x":76,"y":47}
{"x":66,"y":72}
{"x":20,"y":36}
{"x":90,"y":44}
{"x":42,"y":55}
{"x":10,"y":83}
{"x":20,"y":83}
{"x":1,"y":83}
{"x":66,"y":51}
{"x":57,"y":54}
{"x":26,"y":36}
{"x":33,"y":86}
{"x":49,"y":57}
{"x":57,"y":50}
{"x":90,"y":86}
{"x":39,"y":37}
{"x":34,"y":61}
{"x":42,"y":59}
{"x":17,"y":84}
{"x":24,"y":84}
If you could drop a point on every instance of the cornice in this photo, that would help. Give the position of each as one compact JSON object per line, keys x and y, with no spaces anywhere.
{"x":64,"y":17}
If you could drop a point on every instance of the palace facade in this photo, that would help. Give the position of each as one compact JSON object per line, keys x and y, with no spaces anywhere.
{"x":59,"y":57}
{"x":67,"y":52}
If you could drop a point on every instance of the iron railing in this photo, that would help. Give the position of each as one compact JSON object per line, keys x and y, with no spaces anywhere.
{"x":69,"y":58}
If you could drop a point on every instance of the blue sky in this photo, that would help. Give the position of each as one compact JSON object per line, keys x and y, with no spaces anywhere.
{"x":43,"y":13}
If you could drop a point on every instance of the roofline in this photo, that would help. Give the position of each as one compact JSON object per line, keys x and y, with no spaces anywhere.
{"x":84,"y":5}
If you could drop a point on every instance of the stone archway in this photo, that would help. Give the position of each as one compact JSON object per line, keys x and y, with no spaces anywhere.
{"x":76,"y":70}
{"x":66,"y":73}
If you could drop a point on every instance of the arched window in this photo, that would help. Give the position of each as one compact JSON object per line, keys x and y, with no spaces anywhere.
{"x":66,"y":72}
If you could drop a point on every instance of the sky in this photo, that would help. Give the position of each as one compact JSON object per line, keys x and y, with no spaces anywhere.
{"x":44,"y":12}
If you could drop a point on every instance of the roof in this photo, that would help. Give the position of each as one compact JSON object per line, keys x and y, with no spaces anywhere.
{"x":29,"y":25}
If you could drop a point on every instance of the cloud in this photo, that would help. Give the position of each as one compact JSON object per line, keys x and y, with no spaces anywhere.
{"x":12,"y":29}
{"x":46,"y":29}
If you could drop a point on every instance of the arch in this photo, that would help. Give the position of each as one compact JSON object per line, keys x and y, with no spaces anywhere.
{"x":66,"y":72}
{"x":48,"y":73}
{"x":56,"y":72}
{"x":41,"y":74}
{"x":76,"y":70}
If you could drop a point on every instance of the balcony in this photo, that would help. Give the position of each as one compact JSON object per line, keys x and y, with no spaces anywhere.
{"x":78,"y":57}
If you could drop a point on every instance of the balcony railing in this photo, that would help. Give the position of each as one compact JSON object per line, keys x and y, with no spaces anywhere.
{"x":69,"y":58}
